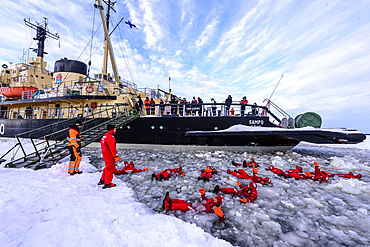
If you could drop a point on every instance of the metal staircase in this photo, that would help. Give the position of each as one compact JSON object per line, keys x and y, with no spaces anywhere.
{"x":52,"y":147}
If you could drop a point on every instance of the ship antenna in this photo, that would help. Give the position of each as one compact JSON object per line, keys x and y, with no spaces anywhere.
{"x":41,"y":34}
{"x":268,"y":102}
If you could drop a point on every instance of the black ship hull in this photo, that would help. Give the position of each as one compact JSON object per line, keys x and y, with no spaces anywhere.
{"x":197,"y":131}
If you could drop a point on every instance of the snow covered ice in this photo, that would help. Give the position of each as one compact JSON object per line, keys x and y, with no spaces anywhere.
{"x":45,"y":206}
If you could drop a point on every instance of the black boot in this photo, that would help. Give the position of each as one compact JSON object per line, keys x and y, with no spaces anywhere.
{"x":108,"y":185}
{"x":101,"y":182}
{"x":216,"y":189}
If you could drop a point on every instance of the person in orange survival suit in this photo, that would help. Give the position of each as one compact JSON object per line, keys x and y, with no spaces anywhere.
{"x":249,"y":192}
{"x":211,"y":205}
{"x":74,"y":148}
{"x":108,"y":148}
{"x":207,"y":173}
{"x":165,"y":174}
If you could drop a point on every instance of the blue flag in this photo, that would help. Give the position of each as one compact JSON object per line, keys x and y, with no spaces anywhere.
{"x":130,"y":25}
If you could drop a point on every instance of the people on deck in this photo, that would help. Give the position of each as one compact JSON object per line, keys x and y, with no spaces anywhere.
{"x":74,"y":148}
{"x":247,"y":193}
{"x":228,"y":103}
{"x":212,"y":205}
{"x":254,"y":109}
{"x":87,"y":110}
{"x":152,"y":106}
{"x":109,"y":151}
{"x":200,"y":104}
{"x":161,"y":106}
{"x":174,"y":103}
{"x":214,"y":106}
{"x":167,"y":173}
{"x":147,"y":105}
{"x":243,"y":103}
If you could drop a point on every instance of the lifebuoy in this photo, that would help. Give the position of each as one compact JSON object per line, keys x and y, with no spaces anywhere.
{"x":89,"y":89}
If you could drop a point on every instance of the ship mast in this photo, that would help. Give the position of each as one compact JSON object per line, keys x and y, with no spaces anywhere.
{"x":108,"y":43}
{"x":41,"y":34}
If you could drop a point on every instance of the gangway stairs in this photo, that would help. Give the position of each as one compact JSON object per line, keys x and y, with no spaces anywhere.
{"x":49,"y":148}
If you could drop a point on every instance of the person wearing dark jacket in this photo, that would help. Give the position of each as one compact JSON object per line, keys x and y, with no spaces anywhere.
{"x":74,"y":148}
{"x":228,"y":103}
{"x":109,"y":151}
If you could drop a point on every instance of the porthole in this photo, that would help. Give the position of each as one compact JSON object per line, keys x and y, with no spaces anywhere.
{"x":42,"y":77}
{"x":152,"y":127}
{"x":161,"y":127}
{"x":128,"y":127}
{"x":216,"y":128}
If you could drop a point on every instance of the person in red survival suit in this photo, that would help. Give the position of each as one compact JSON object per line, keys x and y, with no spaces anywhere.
{"x":108,"y":148}
{"x":74,"y":148}
{"x":129,"y":168}
{"x":212,"y":205}
{"x":349,"y":175}
{"x":247,"y":192}
{"x":251,"y":163}
{"x":276,"y":171}
{"x":207,"y":173}
{"x":296,"y":173}
{"x":292,"y":173}
{"x":165,"y":174}
{"x":322,"y":176}
{"x":257,"y":179}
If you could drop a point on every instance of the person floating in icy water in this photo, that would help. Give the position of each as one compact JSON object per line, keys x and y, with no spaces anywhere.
{"x":207,"y":173}
{"x":109,"y":151}
{"x":251,"y":163}
{"x":129,"y":169}
{"x":167,"y":173}
{"x":212,"y":205}
{"x":248,"y":193}
{"x":242,"y":174}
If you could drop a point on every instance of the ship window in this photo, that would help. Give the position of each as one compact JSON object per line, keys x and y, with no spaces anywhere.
{"x":128,"y":127}
{"x":100,"y":76}
{"x":216,"y":128}
{"x":7,"y":71}
{"x":161,"y":127}
{"x":37,"y":76}
{"x":152,"y":127}
{"x":42,"y":77}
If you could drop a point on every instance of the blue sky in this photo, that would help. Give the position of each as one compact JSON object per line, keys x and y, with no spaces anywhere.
{"x":216,"y":48}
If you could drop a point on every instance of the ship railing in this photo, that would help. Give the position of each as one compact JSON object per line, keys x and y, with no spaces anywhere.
{"x":85,"y":87}
{"x":102,"y":111}
{"x":52,"y":146}
{"x":276,"y":107}
{"x":205,"y":109}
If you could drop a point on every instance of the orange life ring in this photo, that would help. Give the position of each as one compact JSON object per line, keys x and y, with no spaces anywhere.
{"x":89,"y":89}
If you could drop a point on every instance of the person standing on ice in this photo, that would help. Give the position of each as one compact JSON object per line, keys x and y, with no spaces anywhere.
{"x":109,"y":151}
{"x":212,"y":205}
{"x":74,"y":148}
